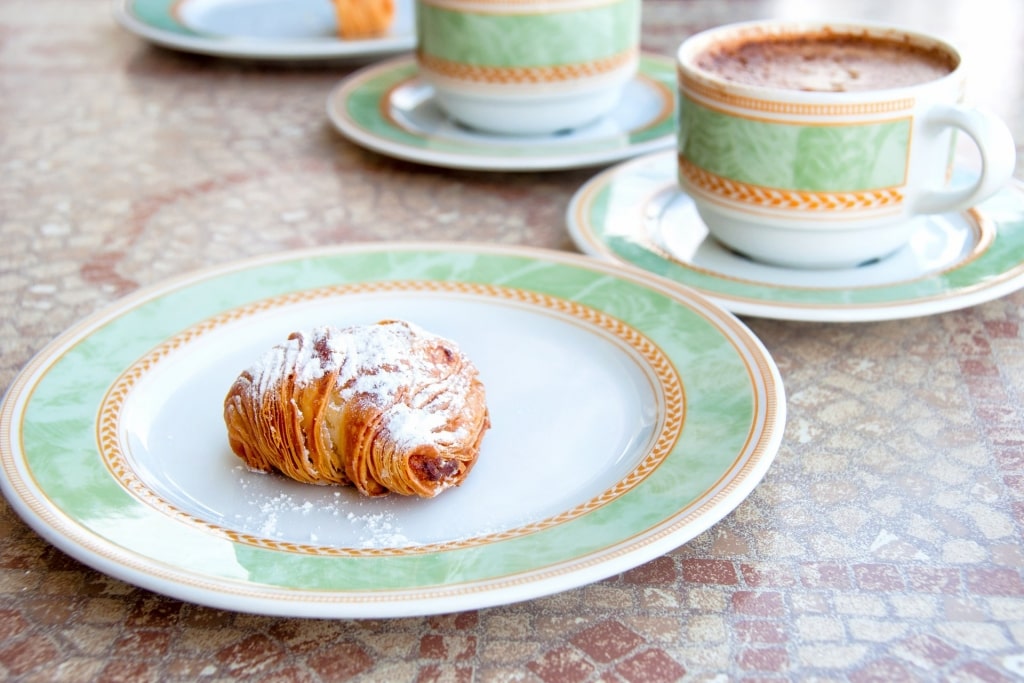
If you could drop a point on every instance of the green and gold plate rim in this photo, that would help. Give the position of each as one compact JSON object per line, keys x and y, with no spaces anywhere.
{"x":52,"y":436}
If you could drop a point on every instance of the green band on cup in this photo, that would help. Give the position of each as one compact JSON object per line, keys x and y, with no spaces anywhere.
{"x":543,"y":39}
{"x":848,"y":158}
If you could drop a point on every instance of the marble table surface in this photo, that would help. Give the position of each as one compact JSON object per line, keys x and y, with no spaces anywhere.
{"x":884,"y":543}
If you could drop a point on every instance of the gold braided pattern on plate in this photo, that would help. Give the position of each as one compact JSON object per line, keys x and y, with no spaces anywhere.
{"x":112,"y":448}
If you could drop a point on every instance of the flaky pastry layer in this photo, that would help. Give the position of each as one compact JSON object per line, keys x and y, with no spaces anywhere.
{"x":385,"y":408}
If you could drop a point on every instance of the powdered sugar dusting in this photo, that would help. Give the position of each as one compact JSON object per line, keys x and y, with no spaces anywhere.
{"x":406,"y":423}
{"x":375,"y":363}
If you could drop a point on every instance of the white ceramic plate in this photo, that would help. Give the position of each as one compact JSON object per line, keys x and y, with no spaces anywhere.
{"x":388,"y":109}
{"x":628,"y":416}
{"x":260,"y":29}
{"x":635,"y":214}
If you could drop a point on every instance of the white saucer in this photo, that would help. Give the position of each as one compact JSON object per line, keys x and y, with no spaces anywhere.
{"x":388,"y":109}
{"x":259,"y":29}
{"x":634,"y":213}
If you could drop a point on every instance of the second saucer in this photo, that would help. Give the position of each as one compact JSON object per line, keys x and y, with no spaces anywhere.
{"x":636,"y":214}
{"x":387,"y":108}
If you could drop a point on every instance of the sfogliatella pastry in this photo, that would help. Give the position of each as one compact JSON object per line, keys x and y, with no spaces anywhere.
{"x":387,"y":407}
{"x":363,"y":18}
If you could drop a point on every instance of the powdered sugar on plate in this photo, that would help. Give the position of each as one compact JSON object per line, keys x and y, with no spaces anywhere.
{"x":380,"y":529}
{"x":275,"y":514}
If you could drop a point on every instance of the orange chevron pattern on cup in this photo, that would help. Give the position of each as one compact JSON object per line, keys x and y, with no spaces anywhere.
{"x":557,"y":73}
{"x":773,"y":198}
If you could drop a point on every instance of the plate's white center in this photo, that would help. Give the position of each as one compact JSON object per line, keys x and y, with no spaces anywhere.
{"x":573,"y":409}
{"x":273,"y":19}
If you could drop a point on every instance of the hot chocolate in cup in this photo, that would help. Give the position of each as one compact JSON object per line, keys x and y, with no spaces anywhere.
{"x":527,"y":67}
{"x":815,"y":145}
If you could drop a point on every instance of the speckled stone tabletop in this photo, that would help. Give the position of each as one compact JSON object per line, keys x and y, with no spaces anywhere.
{"x":884,"y":544}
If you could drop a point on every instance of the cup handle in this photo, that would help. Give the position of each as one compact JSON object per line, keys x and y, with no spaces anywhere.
{"x":995,"y":145}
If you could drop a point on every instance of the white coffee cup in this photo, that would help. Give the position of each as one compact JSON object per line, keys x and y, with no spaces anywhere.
{"x":527,"y":67}
{"x":797,"y":154}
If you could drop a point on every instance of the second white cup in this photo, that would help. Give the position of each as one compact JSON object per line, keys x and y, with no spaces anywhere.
{"x":527,"y":67}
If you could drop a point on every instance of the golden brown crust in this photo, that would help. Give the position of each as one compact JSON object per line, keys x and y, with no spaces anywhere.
{"x":363,"y":18}
{"x":385,"y":407}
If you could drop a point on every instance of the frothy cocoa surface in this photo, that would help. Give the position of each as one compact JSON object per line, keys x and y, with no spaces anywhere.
{"x":826,"y":62}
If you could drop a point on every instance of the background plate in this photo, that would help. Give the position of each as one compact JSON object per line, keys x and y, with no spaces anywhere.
{"x":296,"y":30}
